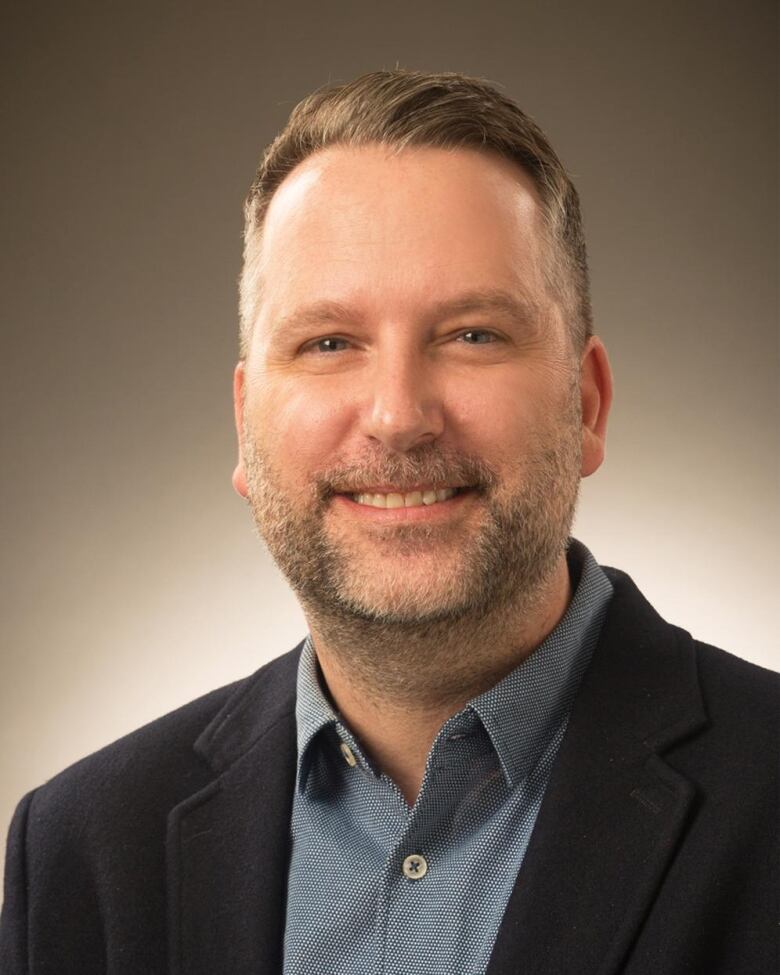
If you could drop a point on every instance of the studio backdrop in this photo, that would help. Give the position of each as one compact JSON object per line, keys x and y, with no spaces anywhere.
{"x":132,"y":578}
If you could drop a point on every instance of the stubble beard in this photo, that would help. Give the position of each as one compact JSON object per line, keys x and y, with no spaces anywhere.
{"x":432,"y":635}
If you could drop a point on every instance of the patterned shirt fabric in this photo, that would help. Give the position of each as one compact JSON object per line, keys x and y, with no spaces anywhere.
{"x":376,"y":887}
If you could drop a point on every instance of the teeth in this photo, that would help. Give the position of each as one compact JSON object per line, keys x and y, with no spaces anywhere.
{"x":411,"y":500}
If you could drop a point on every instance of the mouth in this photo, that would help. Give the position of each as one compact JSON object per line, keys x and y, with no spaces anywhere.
{"x":418,"y":498}
{"x":423,"y":496}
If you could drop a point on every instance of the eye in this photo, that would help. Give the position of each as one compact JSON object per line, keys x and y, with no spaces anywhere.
{"x":478,"y":336}
{"x":330,"y":343}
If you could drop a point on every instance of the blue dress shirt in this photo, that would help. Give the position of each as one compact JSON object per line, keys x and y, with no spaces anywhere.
{"x":377,"y":887}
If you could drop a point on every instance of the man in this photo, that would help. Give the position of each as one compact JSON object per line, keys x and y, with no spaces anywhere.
{"x":489,"y":755}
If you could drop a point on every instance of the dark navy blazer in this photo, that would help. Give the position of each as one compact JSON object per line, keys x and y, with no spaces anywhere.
{"x":653,"y":853}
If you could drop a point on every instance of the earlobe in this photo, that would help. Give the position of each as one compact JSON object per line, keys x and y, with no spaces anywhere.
{"x":596,"y":393}
{"x":239,"y":479}
{"x":239,"y":474}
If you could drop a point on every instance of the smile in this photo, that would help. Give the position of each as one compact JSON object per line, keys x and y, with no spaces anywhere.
{"x":411,"y":499}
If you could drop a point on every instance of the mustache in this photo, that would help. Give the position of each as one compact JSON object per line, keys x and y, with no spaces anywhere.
{"x":433,"y":466}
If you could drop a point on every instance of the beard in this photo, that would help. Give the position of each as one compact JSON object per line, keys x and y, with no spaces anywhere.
{"x":407,"y":583}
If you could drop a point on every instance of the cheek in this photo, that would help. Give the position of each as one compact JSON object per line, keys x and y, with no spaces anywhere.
{"x":491,"y":413}
{"x":299,"y":426}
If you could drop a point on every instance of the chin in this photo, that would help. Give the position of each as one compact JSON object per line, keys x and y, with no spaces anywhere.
{"x":410,"y":604}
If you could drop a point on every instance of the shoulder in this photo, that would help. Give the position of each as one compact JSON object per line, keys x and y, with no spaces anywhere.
{"x":156,"y":760}
{"x":98,"y":829}
{"x":741,"y":698}
{"x":737,"y":696}
{"x":723,"y":672}
{"x":145,"y":773}
{"x":631,"y":612}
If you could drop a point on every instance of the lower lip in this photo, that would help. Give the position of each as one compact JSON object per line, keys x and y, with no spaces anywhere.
{"x":391,"y":516}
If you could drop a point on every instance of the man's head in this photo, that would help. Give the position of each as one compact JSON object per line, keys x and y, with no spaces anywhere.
{"x":404,"y":109}
{"x":407,"y":340}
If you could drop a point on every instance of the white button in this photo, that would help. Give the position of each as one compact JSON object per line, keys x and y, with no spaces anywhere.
{"x":348,"y":754}
{"x":415,"y":866}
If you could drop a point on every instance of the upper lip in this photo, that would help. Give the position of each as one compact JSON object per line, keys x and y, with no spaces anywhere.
{"x":394,"y":489}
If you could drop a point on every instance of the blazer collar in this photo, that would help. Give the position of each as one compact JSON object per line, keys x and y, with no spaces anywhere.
{"x":255,"y":707}
{"x":228,"y":845}
{"x":614,"y":810}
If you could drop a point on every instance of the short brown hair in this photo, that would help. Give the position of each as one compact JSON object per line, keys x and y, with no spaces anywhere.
{"x":402,"y":109}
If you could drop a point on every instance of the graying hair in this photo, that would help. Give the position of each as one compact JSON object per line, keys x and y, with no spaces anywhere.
{"x":401,"y":109}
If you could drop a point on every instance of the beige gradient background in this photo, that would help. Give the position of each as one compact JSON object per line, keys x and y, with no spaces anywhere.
{"x":132,"y":581}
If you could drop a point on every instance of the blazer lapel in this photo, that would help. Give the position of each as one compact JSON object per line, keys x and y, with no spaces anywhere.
{"x":228,"y":845}
{"x":607,"y":830}
{"x":614,"y":810}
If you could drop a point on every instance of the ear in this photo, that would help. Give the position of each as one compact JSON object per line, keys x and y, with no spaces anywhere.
{"x":239,"y":474}
{"x":596,"y":392}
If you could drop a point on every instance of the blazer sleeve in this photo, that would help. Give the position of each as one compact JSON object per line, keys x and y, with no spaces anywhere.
{"x":13,"y":921}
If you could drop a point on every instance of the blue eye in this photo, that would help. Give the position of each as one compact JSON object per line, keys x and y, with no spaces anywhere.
{"x":328,"y":344}
{"x":477,"y":336}
{"x":332,"y":343}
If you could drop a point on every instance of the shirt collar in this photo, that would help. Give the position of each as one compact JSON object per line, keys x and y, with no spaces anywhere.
{"x":313,"y":711}
{"x":520,"y":713}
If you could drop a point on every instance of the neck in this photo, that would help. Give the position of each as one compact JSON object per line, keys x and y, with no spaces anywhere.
{"x":395,"y":686}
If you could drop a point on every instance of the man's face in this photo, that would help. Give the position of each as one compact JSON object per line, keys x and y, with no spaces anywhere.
{"x":406,"y":344}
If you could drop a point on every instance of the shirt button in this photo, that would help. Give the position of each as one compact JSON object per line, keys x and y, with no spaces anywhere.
{"x":415,"y":866}
{"x":349,"y":755}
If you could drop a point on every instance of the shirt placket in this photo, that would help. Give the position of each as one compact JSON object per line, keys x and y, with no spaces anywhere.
{"x":412,"y":879}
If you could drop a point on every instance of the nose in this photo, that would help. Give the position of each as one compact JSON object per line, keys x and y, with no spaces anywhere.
{"x":404,"y":410}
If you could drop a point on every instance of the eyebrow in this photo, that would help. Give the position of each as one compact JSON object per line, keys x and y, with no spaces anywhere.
{"x":517,"y":307}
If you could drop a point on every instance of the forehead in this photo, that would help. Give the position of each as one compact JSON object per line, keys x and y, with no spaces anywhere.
{"x":399,"y":230}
